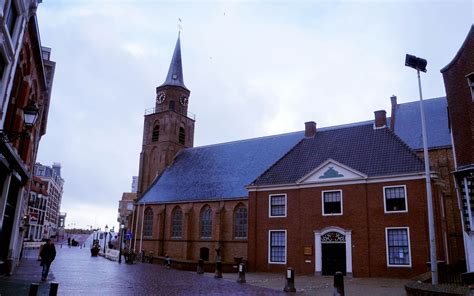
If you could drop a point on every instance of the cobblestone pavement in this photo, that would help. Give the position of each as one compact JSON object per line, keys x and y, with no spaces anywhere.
{"x":78,"y":274}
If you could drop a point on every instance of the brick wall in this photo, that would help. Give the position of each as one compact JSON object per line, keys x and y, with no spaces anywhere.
{"x":363,"y":214}
{"x":460,"y":102}
{"x":187,"y":247}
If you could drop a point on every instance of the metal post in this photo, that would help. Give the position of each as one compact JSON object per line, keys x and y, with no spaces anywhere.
{"x":218,"y":273}
{"x":241,"y":279}
{"x":120,"y":245}
{"x":53,"y":290}
{"x":105,"y":241}
{"x":431,"y":226}
{"x":290,"y":281}
{"x":33,"y":289}
{"x":338,"y":284}
{"x":200,"y":266}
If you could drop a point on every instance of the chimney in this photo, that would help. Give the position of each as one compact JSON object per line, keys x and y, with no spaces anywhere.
{"x":309,"y":129}
{"x":380,"y":119}
{"x":393,"y":99}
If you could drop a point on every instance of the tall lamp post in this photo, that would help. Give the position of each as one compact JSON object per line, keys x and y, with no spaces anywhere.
{"x":105,"y":237}
{"x":419,"y":64}
{"x":120,"y":243}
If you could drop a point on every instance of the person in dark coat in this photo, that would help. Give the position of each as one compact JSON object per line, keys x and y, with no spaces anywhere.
{"x":48,"y":253}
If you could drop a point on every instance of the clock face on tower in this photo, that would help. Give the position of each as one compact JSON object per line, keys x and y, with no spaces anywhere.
{"x":183,"y":100}
{"x":160,"y":97}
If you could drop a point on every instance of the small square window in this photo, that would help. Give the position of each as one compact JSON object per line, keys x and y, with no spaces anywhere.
{"x":332,"y":202}
{"x":278,"y":205}
{"x":395,"y":199}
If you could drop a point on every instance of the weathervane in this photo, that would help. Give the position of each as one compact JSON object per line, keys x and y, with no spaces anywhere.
{"x":180,"y":27}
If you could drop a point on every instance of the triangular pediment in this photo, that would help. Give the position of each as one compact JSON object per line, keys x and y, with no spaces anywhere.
{"x":331,"y":171}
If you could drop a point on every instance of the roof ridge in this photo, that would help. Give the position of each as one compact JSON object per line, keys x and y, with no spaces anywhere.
{"x":245,"y":140}
{"x":418,"y":101}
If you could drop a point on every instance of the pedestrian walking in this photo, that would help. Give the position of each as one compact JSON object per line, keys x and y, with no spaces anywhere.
{"x":48,"y":253}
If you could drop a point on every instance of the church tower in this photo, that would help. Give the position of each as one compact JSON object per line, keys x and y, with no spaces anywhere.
{"x":168,"y":127}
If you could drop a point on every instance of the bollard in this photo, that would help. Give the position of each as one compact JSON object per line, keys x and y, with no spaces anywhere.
{"x":218,"y":274}
{"x":200,"y":266}
{"x":53,"y":289}
{"x":241,"y":279}
{"x":290,"y":280}
{"x":33,"y":289}
{"x":338,"y":284}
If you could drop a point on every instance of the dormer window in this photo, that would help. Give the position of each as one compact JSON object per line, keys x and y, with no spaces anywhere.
{"x":470,"y":81}
{"x":175,"y":76}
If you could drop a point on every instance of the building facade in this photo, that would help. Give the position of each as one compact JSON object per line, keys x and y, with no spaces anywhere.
{"x":37,"y":209}
{"x":351,"y":199}
{"x":458,"y":78}
{"x":441,"y":161}
{"x":25,"y":94}
{"x":196,"y":201}
{"x":51,"y":176}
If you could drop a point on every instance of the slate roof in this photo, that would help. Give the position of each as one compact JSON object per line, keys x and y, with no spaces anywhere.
{"x":374,"y":152}
{"x":408,"y":123}
{"x":175,"y":72}
{"x":222,"y":171}
{"x":218,"y":171}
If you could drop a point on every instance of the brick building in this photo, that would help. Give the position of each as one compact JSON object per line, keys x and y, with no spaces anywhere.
{"x":350,"y":199}
{"x":458,"y":78}
{"x":193,"y":200}
{"x":27,"y":75}
{"x":51,"y":176}
{"x":37,"y":209}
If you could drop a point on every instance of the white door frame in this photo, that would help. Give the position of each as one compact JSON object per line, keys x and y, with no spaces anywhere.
{"x":318,"y":254}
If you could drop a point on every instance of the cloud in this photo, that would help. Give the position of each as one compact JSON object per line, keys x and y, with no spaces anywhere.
{"x":253,"y":69}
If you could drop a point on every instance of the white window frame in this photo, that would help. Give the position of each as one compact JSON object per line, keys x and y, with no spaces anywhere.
{"x":270,"y":246}
{"x":270,"y":205}
{"x":385,"y":200}
{"x":386,"y":247}
{"x":322,"y":202}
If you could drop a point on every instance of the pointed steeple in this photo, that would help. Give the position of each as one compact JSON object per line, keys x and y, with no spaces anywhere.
{"x":175,"y":72}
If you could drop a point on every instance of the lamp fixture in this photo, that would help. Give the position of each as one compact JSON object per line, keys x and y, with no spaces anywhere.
{"x":30,"y":114}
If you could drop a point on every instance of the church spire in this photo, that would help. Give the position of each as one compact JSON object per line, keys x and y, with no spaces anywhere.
{"x":175,"y":72}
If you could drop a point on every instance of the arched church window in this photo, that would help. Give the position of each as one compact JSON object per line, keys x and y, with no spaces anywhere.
{"x":155,"y":136}
{"x":177,"y":223}
{"x":240,"y":222}
{"x":148,"y":222}
{"x":182,"y":135}
{"x":206,"y":222}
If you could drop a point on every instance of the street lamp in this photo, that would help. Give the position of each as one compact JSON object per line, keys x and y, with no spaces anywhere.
{"x":30,"y":114}
{"x":419,"y":64}
{"x":105,"y":237}
{"x":120,"y":243}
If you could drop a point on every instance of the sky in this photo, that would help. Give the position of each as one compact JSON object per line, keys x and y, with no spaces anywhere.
{"x":254,"y":68}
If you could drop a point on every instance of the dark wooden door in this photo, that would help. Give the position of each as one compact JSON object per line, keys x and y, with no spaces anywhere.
{"x":334,"y":258}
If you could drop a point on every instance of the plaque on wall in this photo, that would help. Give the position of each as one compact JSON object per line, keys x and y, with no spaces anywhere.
{"x":308,"y":250}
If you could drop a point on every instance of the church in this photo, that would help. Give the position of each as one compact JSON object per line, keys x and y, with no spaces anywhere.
{"x":349,"y":197}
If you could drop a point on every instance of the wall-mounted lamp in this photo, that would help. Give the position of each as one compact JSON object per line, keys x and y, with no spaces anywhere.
{"x":30,"y":114}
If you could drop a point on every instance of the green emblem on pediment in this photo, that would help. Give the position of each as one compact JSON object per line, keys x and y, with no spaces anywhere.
{"x":331,"y":173}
